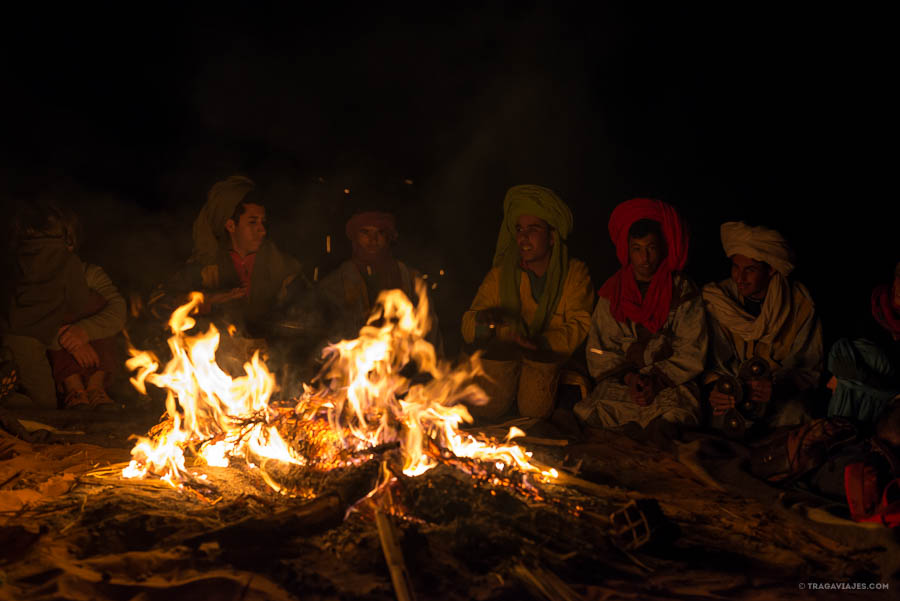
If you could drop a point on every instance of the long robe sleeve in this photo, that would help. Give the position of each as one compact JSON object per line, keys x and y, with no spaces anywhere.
{"x":568,"y":324}
{"x":606,"y":344}
{"x":487,"y":297}
{"x":688,"y":340}
{"x":111,"y":318}
{"x":804,"y":362}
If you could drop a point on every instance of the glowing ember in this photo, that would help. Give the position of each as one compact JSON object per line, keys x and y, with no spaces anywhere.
{"x":385,"y":387}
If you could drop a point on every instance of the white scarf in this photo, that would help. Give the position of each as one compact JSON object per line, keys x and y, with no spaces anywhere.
{"x":725,"y":305}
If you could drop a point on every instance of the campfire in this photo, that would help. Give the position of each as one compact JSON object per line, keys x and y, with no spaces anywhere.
{"x":383,"y":391}
{"x":370,"y":483}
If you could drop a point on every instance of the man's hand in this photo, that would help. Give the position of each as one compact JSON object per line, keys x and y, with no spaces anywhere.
{"x":641,"y":388}
{"x":720,"y":402}
{"x":224,"y":297}
{"x":524,"y":342}
{"x":760,"y":390}
{"x":86,"y":356}
{"x":495,"y":316}
{"x":72,"y":336}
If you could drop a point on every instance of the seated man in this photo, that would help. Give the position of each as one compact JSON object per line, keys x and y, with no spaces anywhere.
{"x":350,"y":291}
{"x":243,"y":275}
{"x":533,"y":308}
{"x":866,"y":370}
{"x":648,"y":335}
{"x":245,"y":278}
{"x":61,"y":310}
{"x":758,"y":314}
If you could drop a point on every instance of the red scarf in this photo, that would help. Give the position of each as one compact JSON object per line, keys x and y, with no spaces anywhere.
{"x":883,"y":309}
{"x":244,"y":267}
{"x":625,"y":301}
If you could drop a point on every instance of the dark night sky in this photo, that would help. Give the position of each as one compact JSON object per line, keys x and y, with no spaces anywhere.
{"x":760,"y":115}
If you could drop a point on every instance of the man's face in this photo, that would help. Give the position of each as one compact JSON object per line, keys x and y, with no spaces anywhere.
{"x":752,"y":277}
{"x":534,"y":238}
{"x":250,"y":231}
{"x":372,"y":239}
{"x":645,"y":254}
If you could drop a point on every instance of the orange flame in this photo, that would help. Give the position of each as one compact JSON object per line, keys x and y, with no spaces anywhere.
{"x":364,"y":397}
{"x":204,"y":404}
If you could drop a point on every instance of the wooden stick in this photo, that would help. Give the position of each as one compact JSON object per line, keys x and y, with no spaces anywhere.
{"x":593,"y":488}
{"x":547,"y":442}
{"x":11,"y":478}
{"x":387,"y":532}
{"x":546,"y":584}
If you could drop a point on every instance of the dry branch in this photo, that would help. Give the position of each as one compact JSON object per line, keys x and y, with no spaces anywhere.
{"x":393,"y":554}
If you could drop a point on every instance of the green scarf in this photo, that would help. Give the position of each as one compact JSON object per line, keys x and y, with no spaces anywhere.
{"x":543,"y":203}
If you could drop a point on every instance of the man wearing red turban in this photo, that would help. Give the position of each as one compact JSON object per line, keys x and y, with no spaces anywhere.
{"x":648,"y":335}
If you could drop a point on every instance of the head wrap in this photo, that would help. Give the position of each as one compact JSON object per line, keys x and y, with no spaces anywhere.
{"x":625,"y":300}
{"x":379,"y":270}
{"x":386,"y":222}
{"x":209,"y":227}
{"x":545,"y":204}
{"x":758,"y":243}
{"x":883,"y":309}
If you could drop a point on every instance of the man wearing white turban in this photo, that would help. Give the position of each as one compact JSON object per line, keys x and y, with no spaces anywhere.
{"x":758,"y":313}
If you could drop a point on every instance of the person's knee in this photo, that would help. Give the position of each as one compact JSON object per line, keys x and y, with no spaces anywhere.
{"x":499,"y":383}
{"x":537,"y":389}
{"x":35,"y":376}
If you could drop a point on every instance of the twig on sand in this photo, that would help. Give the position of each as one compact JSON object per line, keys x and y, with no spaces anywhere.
{"x":390,"y":545}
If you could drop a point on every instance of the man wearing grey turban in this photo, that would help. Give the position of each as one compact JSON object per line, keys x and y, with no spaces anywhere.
{"x":760,"y":314}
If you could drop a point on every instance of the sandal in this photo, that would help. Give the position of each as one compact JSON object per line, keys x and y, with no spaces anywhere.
{"x":8,"y":377}
{"x":99,"y":399}
{"x":77,"y":399}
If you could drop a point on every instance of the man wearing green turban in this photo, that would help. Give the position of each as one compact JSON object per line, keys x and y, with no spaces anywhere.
{"x":533,"y":308}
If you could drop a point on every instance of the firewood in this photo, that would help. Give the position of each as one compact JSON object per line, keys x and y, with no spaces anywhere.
{"x":545,"y":583}
{"x":311,"y":517}
{"x":302,"y":519}
{"x":547,"y":442}
{"x":393,"y":555}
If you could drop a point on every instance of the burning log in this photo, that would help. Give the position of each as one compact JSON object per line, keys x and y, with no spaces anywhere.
{"x":305,"y":519}
{"x":302,"y":519}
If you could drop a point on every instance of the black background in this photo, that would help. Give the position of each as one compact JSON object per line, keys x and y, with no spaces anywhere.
{"x":766,"y":114}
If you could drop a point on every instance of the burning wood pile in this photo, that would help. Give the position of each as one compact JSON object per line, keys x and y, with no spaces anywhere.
{"x":366,"y":486}
{"x":383,"y":390}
